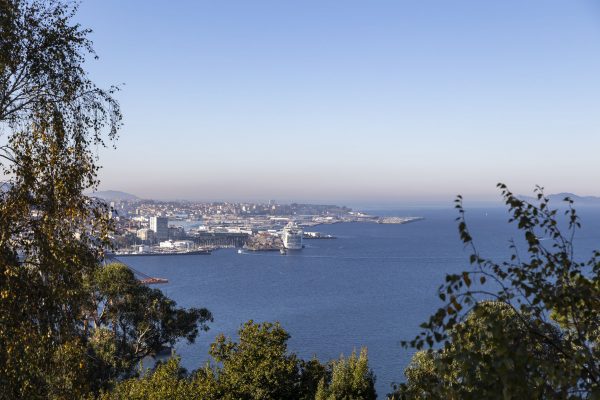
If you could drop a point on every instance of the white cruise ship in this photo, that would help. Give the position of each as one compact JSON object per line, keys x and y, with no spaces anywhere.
{"x":292,"y":237}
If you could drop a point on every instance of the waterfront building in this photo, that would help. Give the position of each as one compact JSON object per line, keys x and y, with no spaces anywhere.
{"x":185,"y":244}
{"x":145,"y":234}
{"x":176,"y":232}
{"x":177,"y":244}
{"x":160,"y":226}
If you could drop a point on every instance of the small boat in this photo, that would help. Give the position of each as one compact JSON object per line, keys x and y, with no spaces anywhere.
{"x":240,"y":251}
{"x":282,"y":251}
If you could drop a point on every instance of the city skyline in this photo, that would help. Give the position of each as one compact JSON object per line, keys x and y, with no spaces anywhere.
{"x":347,"y":102}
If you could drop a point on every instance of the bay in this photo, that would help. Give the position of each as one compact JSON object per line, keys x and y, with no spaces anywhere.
{"x":372,"y":286}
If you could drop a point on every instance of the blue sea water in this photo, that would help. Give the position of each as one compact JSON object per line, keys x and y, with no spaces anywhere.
{"x":372,"y":286}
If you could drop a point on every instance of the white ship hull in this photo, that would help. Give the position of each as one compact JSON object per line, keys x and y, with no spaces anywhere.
{"x":292,"y":246}
{"x":292,"y":237}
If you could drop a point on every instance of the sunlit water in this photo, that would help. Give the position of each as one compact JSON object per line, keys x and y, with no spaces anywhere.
{"x":372,"y":286}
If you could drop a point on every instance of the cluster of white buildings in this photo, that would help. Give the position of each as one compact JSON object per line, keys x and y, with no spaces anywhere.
{"x":169,"y":245}
{"x":177,"y":244}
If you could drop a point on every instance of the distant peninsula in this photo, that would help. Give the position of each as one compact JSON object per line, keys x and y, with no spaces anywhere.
{"x":559,"y":197}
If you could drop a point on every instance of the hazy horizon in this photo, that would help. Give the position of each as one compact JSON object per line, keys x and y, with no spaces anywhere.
{"x":556,"y":200}
{"x":385,"y":102}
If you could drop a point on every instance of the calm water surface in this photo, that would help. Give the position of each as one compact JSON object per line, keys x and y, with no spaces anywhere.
{"x":371,"y":287}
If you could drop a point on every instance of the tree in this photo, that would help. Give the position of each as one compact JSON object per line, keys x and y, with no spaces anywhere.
{"x":484,"y":359}
{"x":312,"y":373}
{"x":52,"y":236}
{"x":258,"y":366}
{"x":129,"y":321}
{"x":351,"y":379}
{"x":551,"y":299}
{"x":167,"y":381}
{"x":423,"y":380}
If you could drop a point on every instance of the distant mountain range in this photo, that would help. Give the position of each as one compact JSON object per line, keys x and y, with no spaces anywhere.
{"x":559,"y":197}
{"x":114,"y":195}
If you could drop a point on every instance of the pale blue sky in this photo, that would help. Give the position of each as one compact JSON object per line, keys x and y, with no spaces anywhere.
{"x":350,"y":101}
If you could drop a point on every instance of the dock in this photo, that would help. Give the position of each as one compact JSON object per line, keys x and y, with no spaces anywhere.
{"x":142,"y":277}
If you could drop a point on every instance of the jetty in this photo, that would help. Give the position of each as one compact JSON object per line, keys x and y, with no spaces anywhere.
{"x":142,"y":277}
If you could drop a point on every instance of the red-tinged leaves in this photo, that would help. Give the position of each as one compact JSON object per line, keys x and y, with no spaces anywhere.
{"x":466,"y":278}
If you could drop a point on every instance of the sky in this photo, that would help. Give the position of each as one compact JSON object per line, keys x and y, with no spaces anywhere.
{"x":372,"y":102}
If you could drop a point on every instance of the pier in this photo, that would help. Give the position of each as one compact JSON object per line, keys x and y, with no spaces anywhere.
{"x":142,"y":277}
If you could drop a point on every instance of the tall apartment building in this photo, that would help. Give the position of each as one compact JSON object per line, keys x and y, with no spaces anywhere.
{"x":160,"y":226}
{"x":145,"y":234}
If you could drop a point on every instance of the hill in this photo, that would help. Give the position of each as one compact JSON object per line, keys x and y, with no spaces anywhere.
{"x":114,"y":195}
